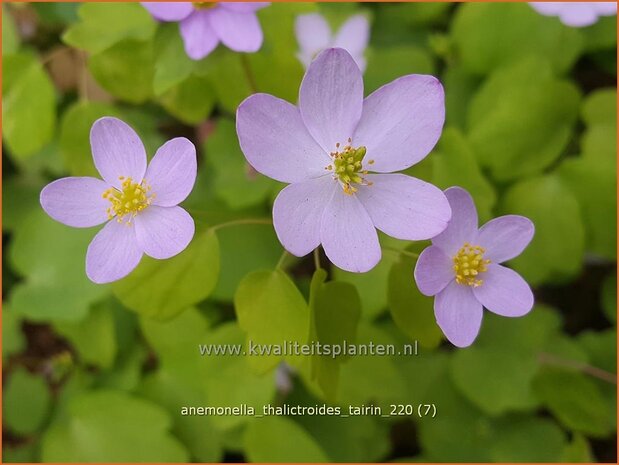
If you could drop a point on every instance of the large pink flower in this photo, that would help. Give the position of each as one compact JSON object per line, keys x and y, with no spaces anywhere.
{"x":335,"y":149}
{"x":205,"y":24}
{"x":462,"y":269}
{"x":139,"y":203}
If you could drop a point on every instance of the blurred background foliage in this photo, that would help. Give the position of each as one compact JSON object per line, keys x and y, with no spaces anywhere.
{"x":99,"y":373}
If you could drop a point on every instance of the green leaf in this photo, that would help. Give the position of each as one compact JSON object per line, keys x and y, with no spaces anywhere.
{"x":455,"y":165}
{"x":389,"y":63}
{"x":229,"y":381}
{"x":234,"y":180}
{"x":10,"y":36}
{"x":93,"y":338}
{"x":21,"y":197}
{"x":528,"y":439}
{"x":126,"y":70}
{"x":602,"y":35}
{"x":191,"y":101}
{"x":575,"y":400}
{"x":412,"y":312}
{"x":102,"y":25}
{"x":263,"y":442}
{"x":524,"y":114}
{"x":489,"y":35}
{"x":601,"y":348}
{"x":29,"y":105}
{"x":600,"y":107}
{"x":112,"y":426}
{"x":244,"y":248}
{"x":51,"y":258}
{"x":460,"y":87}
{"x":161,"y":289}
{"x":75,"y":135}
{"x":26,"y":400}
{"x":496,"y":379}
{"x":556,"y":250}
{"x":172,"y":65}
{"x":578,"y":450}
{"x":13,"y":340}
{"x":272,"y":311}
{"x":335,"y":310}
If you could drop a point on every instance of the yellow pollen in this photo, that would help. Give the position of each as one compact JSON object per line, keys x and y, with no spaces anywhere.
{"x":348,"y":166}
{"x":204,"y":5}
{"x":129,"y":201}
{"x":469,"y":262}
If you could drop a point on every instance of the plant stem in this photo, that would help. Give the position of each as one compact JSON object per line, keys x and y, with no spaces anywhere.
{"x":282,"y":259}
{"x":248,"y":73}
{"x":317,"y":258}
{"x":406,"y":253}
{"x":550,"y":359}
{"x":240,"y":222}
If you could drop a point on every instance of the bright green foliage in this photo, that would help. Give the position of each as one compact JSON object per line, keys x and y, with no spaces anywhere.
{"x":272,"y":311}
{"x":412,"y":311}
{"x":524,"y":114}
{"x":75,"y":135}
{"x":55,"y":287}
{"x":96,"y":373}
{"x":263,"y":441}
{"x":163,"y":288}
{"x":335,"y":311}
{"x":234,"y":180}
{"x":26,"y":400}
{"x":556,"y":250}
{"x":28,"y":105}
{"x":102,"y":25}
{"x":112,"y":426}
{"x":455,"y":164}
{"x":489,"y":35}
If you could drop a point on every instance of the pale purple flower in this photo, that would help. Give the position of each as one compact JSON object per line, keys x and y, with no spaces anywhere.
{"x":314,"y":35}
{"x":576,"y":14}
{"x":139,"y":203}
{"x":462,"y":269}
{"x":204,"y":24}
{"x":325,"y":148}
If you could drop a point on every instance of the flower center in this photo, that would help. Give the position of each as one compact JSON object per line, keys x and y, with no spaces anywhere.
{"x":204,"y":5}
{"x":347,"y":166}
{"x":469,"y":262}
{"x":131,"y":199}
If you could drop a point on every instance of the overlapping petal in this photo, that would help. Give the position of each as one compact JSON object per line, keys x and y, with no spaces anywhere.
{"x":331,"y":98}
{"x":401,"y":122}
{"x":76,"y":201}
{"x":163,"y":232}
{"x":113,"y":253}
{"x":504,"y":292}
{"x":276,"y":142}
{"x":462,"y":226}
{"x":505,"y":237}
{"x":405,"y":207}
{"x":169,"y":11}
{"x":433,"y":271}
{"x":354,"y":36}
{"x":459,"y":314}
{"x":313,"y":34}
{"x":238,"y":31}
{"x":199,"y":37}
{"x":117,"y":151}
{"x":348,"y":235}
{"x":297,"y":213}
{"x":172,"y":172}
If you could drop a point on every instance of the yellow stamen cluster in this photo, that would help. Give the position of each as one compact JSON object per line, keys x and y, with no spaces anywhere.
{"x":347,"y":166}
{"x":469,"y":262}
{"x":132,"y":199}
{"x":204,"y":5}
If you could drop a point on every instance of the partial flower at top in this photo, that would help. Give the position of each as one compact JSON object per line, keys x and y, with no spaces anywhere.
{"x":325,"y":149}
{"x":576,"y":14}
{"x":461,"y":268}
{"x":139,"y":203}
{"x":314,"y":35}
{"x":204,"y":24}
